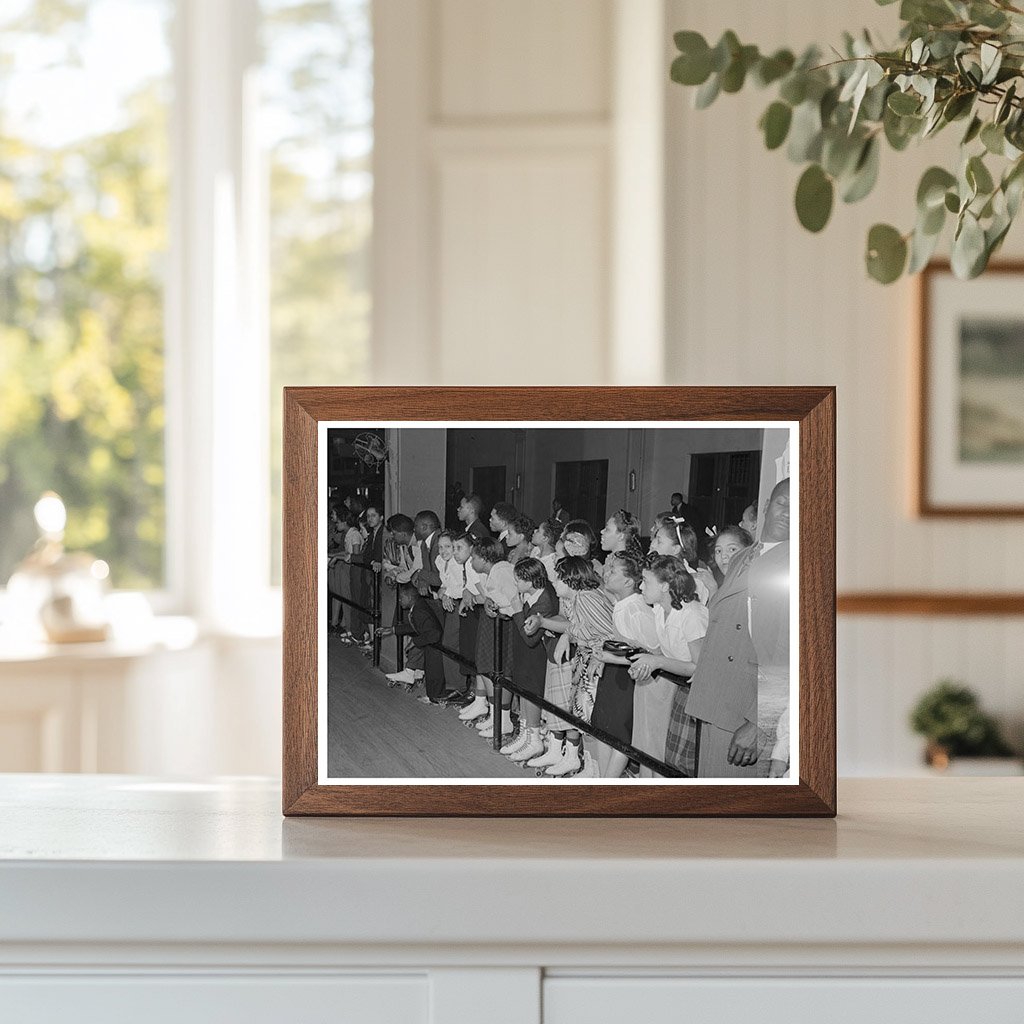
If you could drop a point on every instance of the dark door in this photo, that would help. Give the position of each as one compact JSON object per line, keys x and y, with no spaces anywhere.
{"x":582,"y":488}
{"x":489,"y":484}
{"x":723,"y":484}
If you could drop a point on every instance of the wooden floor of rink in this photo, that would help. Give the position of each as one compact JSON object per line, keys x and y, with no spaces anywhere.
{"x":375,"y":731}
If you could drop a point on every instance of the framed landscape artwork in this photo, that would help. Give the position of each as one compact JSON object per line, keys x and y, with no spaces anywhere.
{"x":565,"y":601}
{"x":970,"y":452}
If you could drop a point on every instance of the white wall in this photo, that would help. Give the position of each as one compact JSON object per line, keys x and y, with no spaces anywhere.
{"x":418,"y":458}
{"x":754,"y":299}
{"x":506,"y":147}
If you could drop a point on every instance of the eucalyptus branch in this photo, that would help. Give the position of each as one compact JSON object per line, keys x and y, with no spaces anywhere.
{"x":833,"y":118}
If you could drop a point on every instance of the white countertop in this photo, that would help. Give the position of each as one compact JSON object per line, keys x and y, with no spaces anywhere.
{"x":121,"y":859}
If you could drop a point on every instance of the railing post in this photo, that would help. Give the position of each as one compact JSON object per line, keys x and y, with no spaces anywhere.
{"x":399,"y":640}
{"x":499,"y":691}
{"x":375,"y":614}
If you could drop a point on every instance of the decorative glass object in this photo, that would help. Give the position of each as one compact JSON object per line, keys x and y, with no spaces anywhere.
{"x":56,"y":595}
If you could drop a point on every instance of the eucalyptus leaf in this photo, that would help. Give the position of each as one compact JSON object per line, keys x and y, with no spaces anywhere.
{"x":708,"y":92}
{"x":873,"y":106}
{"x":886,"y":253}
{"x":840,"y":152}
{"x":993,"y":138}
{"x":900,"y":130}
{"x":691,"y":70}
{"x":991,"y":60}
{"x":922,"y":248}
{"x":932,"y":220}
{"x":805,"y":133}
{"x":771,"y":69}
{"x":1004,"y":106}
{"x":724,"y":50}
{"x":735,"y":74}
{"x":931,"y":190}
{"x":904,"y":103}
{"x":865,"y":174}
{"x":968,"y":247}
{"x":814,"y":196}
{"x":1013,"y":187}
{"x":775,"y":124}
{"x":958,"y":105}
{"x":973,"y":129}
{"x":978,"y":176}
{"x":987,"y":15}
{"x":952,"y":202}
{"x":794,"y":88}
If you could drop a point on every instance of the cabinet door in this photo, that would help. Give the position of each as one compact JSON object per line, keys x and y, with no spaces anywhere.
{"x":570,"y":1000}
{"x":206,"y":999}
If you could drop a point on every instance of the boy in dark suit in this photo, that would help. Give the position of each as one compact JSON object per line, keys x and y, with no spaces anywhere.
{"x":424,"y":631}
{"x":471,"y":508}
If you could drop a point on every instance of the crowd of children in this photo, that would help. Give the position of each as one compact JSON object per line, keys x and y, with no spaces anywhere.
{"x":619,"y":632}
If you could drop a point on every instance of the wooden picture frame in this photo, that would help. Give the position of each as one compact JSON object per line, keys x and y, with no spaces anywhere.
{"x":942,"y":489}
{"x":809,"y":411}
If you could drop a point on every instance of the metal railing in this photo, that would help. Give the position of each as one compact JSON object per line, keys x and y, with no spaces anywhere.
{"x":502,"y":682}
{"x":372,"y":612}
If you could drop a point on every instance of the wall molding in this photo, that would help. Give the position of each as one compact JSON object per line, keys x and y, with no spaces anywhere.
{"x":929,"y":603}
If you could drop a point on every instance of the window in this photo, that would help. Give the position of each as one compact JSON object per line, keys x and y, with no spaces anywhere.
{"x":167,"y":264}
{"x":316,"y":119}
{"x":83,"y":237}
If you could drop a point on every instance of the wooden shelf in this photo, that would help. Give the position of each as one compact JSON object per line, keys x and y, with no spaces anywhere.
{"x":952,"y":605}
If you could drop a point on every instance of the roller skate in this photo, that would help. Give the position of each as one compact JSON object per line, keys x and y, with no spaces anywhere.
{"x":552,"y":755}
{"x":532,"y":746}
{"x":568,"y":765}
{"x":475,"y":709}
{"x":506,"y":726}
{"x":515,"y":741}
{"x":407,"y":678}
{"x":590,"y":769}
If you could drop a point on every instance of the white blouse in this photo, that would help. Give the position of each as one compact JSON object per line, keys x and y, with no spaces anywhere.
{"x":633,"y":619}
{"x":677,"y":630}
{"x":453,"y":578}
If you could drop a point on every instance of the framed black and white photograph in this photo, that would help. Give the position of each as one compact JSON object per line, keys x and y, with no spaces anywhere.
{"x":970,"y":451}
{"x":568,"y":601}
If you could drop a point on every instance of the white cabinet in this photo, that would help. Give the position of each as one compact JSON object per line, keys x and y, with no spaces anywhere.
{"x":126,"y":899}
{"x":823,"y":1000}
{"x":202,"y":999}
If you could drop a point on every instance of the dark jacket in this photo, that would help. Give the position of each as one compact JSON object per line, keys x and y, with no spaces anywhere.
{"x":477,"y":530}
{"x":547,"y":606}
{"x":422,"y":625}
{"x":373,"y":550}
{"x":429,"y":577}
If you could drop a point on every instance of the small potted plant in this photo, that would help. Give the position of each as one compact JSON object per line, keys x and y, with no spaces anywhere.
{"x":950,"y":717}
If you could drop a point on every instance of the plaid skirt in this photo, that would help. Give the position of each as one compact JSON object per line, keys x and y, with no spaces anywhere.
{"x":682,"y":741}
{"x":558,"y":691}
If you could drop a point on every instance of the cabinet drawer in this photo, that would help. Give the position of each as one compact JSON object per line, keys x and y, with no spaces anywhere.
{"x":205,"y":999}
{"x":671,"y":1000}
